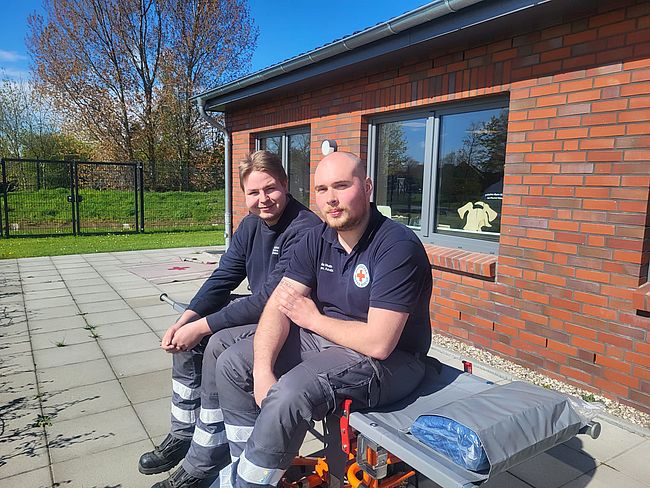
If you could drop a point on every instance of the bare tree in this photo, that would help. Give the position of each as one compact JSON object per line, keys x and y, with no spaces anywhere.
{"x":123,"y":71}
{"x":209,"y":42}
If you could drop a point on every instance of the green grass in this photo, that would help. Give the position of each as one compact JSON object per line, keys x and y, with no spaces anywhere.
{"x":56,"y":246}
{"x":37,"y":211}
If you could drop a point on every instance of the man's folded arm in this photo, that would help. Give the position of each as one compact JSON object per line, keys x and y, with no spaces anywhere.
{"x":247,"y":310}
{"x":376,"y":338}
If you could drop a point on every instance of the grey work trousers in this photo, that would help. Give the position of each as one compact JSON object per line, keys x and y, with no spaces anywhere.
{"x":187,"y":370}
{"x":315,"y":375}
{"x":208,"y":452}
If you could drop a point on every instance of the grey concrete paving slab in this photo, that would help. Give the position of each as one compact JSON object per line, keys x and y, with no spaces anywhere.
{"x":310,"y":447}
{"x":40,"y":326}
{"x":88,"y":282}
{"x":11,"y":289}
{"x":51,"y":285}
{"x":605,"y":477}
{"x":84,"y":400}
{"x":154,"y":415}
{"x":152,"y":311}
{"x":74,"y":278}
{"x":126,"y":282}
{"x":90,"y":434}
{"x":117,"y":467}
{"x":46,"y":303}
{"x":22,"y":444}
{"x":148,"y":386}
{"x":505,"y":480}
{"x":69,"y":262}
{"x":96,"y":295}
{"x":38,"y":276}
{"x":111,"y":317}
{"x":143,"y":301}
{"x":161,"y":324}
{"x":67,"y":337}
{"x":74,"y":375}
{"x":18,"y":385}
{"x":15,"y":343}
{"x":14,"y":363}
{"x":140,"y":362}
{"x":53,"y":313}
{"x":38,"y":478}
{"x":612,"y":442}
{"x":106,"y":306}
{"x":146,"y":291}
{"x":555,"y":467}
{"x":60,"y":356}
{"x":37,"y":295}
{"x":634,"y":463}
{"x":121,"y":329}
{"x":129,"y":344}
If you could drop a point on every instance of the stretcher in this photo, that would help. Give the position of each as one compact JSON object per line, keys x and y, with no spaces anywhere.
{"x":376,"y":449}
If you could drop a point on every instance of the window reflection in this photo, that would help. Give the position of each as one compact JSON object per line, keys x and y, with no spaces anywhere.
{"x":299,"y":167}
{"x":272,"y":144}
{"x":295,"y":160}
{"x":400,"y":170}
{"x":470,"y":173}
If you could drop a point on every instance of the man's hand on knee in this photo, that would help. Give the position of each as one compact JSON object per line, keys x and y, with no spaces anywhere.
{"x":188,"y":336}
{"x":168,"y":337}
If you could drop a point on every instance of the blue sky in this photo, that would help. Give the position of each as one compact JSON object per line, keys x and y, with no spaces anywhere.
{"x":287,"y":28}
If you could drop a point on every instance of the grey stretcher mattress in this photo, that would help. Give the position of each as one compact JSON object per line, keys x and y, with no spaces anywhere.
{"x":515,"y":422}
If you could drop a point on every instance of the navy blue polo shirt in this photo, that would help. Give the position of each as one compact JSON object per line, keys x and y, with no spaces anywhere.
{"x":258,"y":252}
{"x":387,"y":269}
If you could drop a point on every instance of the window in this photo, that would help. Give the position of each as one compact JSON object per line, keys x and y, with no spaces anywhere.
{"x":441,"y":173}
{"x":294,"y":149}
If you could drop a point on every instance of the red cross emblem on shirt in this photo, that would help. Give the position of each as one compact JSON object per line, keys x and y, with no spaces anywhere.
{"x":361,"y":276}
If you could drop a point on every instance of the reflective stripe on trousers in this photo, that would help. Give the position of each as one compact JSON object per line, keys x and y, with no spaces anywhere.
{"x":208,"y":453}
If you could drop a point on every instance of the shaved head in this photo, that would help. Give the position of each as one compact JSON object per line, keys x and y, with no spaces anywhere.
{"x":344,"y":159}
{"x":343,"y":191}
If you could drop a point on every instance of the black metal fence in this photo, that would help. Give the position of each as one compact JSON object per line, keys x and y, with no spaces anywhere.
{"x":69,"y":197}
{"x":43,"y":198}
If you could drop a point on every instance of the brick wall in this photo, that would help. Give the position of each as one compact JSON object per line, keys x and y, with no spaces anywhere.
{"x":574,"y":245}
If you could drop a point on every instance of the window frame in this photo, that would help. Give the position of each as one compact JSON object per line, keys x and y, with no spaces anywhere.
{"x":284,"y":135}
{"x":430,"y":177}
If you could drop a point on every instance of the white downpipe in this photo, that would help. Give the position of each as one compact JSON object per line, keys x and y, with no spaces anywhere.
{"x":227,"y":163}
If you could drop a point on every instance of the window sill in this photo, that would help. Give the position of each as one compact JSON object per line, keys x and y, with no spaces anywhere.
{"x":468,"y":262}
{"x":641,"y":298}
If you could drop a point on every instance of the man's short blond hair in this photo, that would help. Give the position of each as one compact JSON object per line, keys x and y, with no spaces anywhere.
{"x":264,"y":161}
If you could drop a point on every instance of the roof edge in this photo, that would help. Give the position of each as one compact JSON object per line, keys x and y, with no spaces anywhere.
{"x":420,"y":15}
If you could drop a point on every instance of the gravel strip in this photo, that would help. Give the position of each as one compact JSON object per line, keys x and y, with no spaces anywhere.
{"x":508,"y":368}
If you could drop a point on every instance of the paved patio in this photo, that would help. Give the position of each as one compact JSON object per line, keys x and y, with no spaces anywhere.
{"x":85,"y":388}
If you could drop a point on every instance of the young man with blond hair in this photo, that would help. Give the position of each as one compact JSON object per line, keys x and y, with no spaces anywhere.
{"x":260,"y":250}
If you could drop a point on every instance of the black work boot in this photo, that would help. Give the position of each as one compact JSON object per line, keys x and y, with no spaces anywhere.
{"x":165,"y":456}
{"x":180,"y":479}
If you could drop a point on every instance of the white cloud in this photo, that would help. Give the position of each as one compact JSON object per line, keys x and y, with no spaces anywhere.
{"x":14,"y":74}
{"x":11,"y":56}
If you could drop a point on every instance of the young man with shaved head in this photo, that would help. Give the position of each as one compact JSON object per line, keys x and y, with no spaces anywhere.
{"x":350,"y":319}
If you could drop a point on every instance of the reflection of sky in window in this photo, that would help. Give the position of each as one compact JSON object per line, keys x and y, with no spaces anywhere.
{"x":455,"y":127}
{"x":414,"y":133}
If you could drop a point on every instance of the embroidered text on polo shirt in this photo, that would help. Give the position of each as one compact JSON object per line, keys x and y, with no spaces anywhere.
{"x":275,"y":251}
{"x":326,"y":267}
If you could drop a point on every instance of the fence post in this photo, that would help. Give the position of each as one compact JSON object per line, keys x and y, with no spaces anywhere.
{"x":135,"y":198}
{"x":5,"y":200}
{"x":141,"y":184}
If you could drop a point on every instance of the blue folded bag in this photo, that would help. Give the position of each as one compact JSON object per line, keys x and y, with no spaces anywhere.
{"x":451,"y":439}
